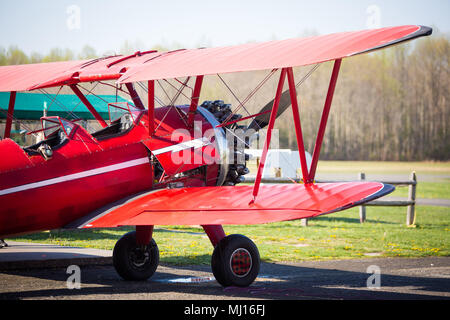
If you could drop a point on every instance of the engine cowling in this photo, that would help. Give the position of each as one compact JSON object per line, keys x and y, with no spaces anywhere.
{"x":229,"y":144}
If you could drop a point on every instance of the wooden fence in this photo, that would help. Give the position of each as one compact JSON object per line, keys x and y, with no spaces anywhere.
{"x":409,"y":203}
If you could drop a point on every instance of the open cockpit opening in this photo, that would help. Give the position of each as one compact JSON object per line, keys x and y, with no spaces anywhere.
{"x":122,"y":117}
{"x":55,"y":132}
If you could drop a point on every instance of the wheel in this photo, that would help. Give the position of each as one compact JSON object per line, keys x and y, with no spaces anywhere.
{"x":235,"y":261}
{"x":135,"y":262}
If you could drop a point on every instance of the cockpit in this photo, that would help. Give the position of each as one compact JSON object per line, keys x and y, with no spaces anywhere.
{"x":56,"y":127}
{"x":55,"y":132}
{"x":122,"y":117}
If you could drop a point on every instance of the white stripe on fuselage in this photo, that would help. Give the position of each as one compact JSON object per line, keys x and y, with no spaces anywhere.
{"x":75,"y":176}
{"x":196,"y":143}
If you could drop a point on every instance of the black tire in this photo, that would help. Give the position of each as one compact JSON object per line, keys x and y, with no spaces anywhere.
{"x":235,"y":261}
{"x":134,"y":262}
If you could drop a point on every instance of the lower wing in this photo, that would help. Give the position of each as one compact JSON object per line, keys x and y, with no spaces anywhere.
{"x":231,"y":205}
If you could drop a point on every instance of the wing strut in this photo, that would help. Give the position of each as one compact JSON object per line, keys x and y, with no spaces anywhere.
{"x":9,"y":117}
{"x":308,"y":177}
{"x":88,"y":105}
{"x":194,"y":99}
{"x":151,"y":107}
{"x":324,"y":119}
{"x":134,"y":96}
{"x":298,"y":126}
{"x":273,"y":116}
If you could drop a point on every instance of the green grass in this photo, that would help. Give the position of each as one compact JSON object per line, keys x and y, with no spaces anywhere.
{"x":439,"y":189}
{"x":335,"y":236}
{"x":427,"y":190}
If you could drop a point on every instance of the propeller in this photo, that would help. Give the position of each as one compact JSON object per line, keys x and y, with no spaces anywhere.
{"x":262,"y":120}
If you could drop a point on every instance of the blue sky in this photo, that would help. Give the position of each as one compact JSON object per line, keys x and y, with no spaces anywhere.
{"x":106,"y":24}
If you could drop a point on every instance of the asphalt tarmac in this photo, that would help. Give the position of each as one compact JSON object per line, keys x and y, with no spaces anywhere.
{"x":30,"y":271}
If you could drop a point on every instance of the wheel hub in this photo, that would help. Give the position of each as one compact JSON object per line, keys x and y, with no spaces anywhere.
{"x":241,"y":262}
{"x":139,"y":257}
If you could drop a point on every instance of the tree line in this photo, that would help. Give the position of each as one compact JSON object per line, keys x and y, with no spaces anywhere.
{"x":389,"y":105}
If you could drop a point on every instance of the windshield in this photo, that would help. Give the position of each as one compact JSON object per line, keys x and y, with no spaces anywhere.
{"x":118,"y":109}
{"x":51,"y":125}
{"x":67,"y":126}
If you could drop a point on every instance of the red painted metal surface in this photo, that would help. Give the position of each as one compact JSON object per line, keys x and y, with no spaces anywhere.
{"x":16,"y":158}
{"x":324,"y":120}
{"x":215,"y":233}
{"x":134,"y":96}
{"x":174,"y":131}
{"x":194,"y":99}
{"x":151,"y":107}
{"x":230,"y":205}
{"x":144,"y":234}
{"x":136,"y":54}
{"x":63,"y":197}
{"x":85,"y":173}
{"x":273,"y":116}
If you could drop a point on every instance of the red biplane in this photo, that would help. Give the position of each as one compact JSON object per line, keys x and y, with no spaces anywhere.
{"x":132,"y":173}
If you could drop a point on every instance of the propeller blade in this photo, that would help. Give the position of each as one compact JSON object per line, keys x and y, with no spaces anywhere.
{"x":262,"y":120}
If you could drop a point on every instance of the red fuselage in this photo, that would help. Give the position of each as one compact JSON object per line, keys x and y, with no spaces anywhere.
{"x":88,"y":171}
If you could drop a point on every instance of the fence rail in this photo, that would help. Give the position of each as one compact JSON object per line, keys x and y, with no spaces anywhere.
{"x":410,"y":203}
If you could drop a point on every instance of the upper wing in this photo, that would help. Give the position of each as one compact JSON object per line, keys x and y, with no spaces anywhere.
{"x":153,"y":65}
{"x":270,"y":55}
{"x":41,"y":75}
{"x":23,"y":77}
{"x":230,"y":205}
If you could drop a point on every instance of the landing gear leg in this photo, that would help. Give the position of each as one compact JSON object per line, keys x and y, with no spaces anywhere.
{"x":136,"y":255}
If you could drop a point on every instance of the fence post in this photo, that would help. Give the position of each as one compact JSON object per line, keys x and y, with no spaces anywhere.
{"x":304,"y":222}
{"x":410,"y":210}
{"x":362,"y":209}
